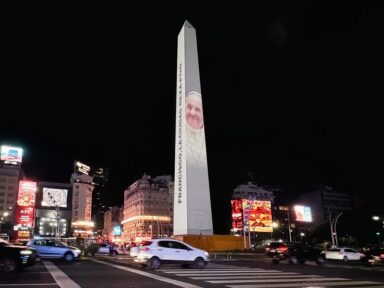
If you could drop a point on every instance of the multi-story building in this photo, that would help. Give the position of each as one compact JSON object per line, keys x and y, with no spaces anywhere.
{"x":112,"y":221}
{"x":10,"y":174}
{"x":148,"y":208}
{"x":53,"y":209}
{"x":82,"y":185}
{"x":325,"y":203}
{"x":252,"y":191}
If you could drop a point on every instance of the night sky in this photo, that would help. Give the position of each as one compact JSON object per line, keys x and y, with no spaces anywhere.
{"x":291,"y":93}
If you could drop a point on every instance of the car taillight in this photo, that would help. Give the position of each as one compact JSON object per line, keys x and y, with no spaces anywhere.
{"x":340,"y":253}
{"x":144,"y":249}
{"x":381,"y":256}
{"x":282,"y":249}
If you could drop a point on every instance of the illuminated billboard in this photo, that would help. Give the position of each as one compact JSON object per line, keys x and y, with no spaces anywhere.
{"x":81,"y":168}
{"x":303,"y":213}
{"x":237,"y":214}
{"x":12,"y":155}
{"x":53,"y":197}
{"x":24,"y":216}
{"x":259,"y":215}
{"x":27,"y":194}
{"x":117,"y":230}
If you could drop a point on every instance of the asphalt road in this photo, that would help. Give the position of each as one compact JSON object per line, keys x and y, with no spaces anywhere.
{"x":259,"y":272}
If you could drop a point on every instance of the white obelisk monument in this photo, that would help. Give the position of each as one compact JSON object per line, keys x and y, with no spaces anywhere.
{"x":192,"y":202}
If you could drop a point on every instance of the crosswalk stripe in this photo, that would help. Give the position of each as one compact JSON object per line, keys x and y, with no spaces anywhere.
{"x":214,"y":271}
{"x":271,"y":274}
{"x":276,"y":280}
{"x":255,"y":277}
{"x":298,"y":285}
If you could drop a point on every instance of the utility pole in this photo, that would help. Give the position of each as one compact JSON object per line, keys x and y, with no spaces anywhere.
{"x":289,"y":226}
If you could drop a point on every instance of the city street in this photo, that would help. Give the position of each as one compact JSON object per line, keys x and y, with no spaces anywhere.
{"x":119,"y":271}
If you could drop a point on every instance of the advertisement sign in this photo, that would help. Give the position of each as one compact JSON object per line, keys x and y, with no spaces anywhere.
{"x":82,"y":168}
{"x":117,"y":230}
{"x":26,"y":196}
{"x":11,"y":154}
{"x":53,"y":197}
{"x":24,"y":216}
{"x":237,"y":214}
{"x":303,"y":213}
{"x":259,"y":215}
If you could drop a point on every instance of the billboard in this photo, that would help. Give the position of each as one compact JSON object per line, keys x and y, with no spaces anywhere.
{"x":303,"y":213}
{"x":259,"y":214}
{"x":24,"y":216}
{"x":117,"y":230}
{"x":81,"y":168}
{"x":237,"y":214}
{"x":27,"y":194}
{"x":12,"y":155}
{"x":53,"y":197}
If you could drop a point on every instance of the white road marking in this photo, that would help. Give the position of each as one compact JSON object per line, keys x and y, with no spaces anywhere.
{"x":276,"y":281}
{"x":59,"y":276}
{"x":297,"y":285}
{"x":29,"y":284}
{"x":255,"y":277}
{"x":153,"y":276}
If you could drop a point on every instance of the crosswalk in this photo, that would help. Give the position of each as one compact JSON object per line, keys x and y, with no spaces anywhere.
{"x":244,"y":277}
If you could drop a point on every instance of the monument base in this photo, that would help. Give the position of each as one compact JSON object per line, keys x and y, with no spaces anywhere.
{"x":212,"y":243}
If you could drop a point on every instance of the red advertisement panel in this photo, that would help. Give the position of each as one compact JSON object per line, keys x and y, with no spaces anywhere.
{"x":27,"y":194}
{"x":25,"y":216}
{"x":237,"y":214}
{"x":260,"y":216}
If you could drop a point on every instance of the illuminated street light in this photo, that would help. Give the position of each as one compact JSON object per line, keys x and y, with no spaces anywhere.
{"x":375,"y":218}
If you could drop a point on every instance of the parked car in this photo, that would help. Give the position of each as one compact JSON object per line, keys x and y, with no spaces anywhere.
{"x":15,"y":257}
{"x":343,"y":253}
{"x":374,"y":256}
{"x":52,"y":248}
{"x":107,"y":249}
{"x":155,"y":252}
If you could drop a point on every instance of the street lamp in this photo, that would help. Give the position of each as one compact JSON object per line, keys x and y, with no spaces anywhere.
{"x":377,"y":218}
{"x":2,"y":218}
{"x":333,"y":223}
{"x":301,"y":236}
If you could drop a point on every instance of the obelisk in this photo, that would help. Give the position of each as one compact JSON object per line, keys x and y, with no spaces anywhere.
{"x":192,"y":202}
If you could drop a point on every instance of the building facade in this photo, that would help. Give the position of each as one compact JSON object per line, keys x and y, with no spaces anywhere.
{"x":9,"y":183}
{"x":325,"y":203}
{"x":148,"y":208}
{"x":112,"y":222}
{"x":53,"y":209}
{"x":82,"y":186}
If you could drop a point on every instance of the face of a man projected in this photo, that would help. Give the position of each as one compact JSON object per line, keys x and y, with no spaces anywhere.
{"x":194,"y":111}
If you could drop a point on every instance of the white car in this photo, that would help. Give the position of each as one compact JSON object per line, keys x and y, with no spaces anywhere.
{"x":155,"y":252}
{"x":107,"y":249}
{"x":345,"y":254}
{"x":52,"y":248}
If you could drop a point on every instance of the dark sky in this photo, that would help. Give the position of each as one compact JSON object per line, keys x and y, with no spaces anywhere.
{"x":291,"y":93}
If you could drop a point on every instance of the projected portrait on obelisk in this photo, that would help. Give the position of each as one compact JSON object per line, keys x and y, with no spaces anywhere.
{"x":192,"y":202}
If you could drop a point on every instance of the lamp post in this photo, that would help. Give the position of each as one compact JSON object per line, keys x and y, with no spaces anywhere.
{"x":333,"y":223}
{"x":377,"y":219}
{"x":289,"y":226}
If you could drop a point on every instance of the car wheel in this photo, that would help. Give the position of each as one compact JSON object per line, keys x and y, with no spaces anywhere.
{"x":320,"y":260}
{"x":345,"y":259}
{"x":200,"y":263}
{"x":154,"y":263}
{"x":68,"y":257}
{"x":8,"y":265}
{"x":292,"y":260}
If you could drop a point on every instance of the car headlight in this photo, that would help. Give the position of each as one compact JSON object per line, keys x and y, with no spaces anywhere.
{"x":77,"y":250}
{"x":26,"y":252}
{"x":206,"y":254}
